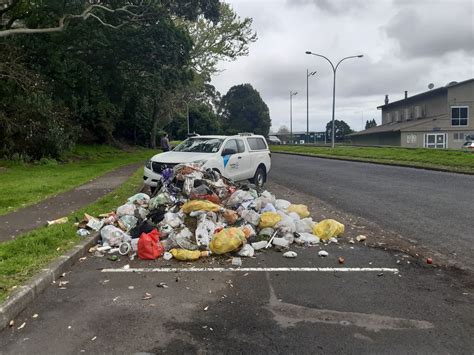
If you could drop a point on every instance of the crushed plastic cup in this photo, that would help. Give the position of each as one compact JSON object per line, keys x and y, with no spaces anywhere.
{"x":290,"y":254}
{"x":323,"y":253}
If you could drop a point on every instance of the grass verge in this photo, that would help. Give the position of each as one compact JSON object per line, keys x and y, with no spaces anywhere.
{"x":22,"y":257}
{"x":450,"y":160}
{"x":25,"y":184}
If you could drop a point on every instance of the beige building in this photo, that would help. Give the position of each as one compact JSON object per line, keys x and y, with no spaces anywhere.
{"x":438,"y":118}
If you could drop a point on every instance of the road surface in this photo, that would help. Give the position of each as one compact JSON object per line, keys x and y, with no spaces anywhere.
{"x":435,"y":209}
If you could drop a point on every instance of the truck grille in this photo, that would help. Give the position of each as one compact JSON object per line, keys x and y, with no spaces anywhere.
{"x":159,"y":167}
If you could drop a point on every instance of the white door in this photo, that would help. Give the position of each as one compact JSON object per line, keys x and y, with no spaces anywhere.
{"x":436,"y":140}
{"x":231,"y":159}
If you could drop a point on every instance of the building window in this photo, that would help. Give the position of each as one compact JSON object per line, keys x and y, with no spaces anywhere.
{"x":388,"y":117}
{"x":397,"y":116}
{"x":459,"y":115}
{"x":459,"y":136}
{"x":418,"y":112}
{"x":407,"y":114}
{"x":411,"y":139}
{"x":436,"y":140}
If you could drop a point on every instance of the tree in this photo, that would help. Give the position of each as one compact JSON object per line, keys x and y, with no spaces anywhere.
{"x":222,"y":40}
{"x":284,"y":133}
{"x":342,"y":129}
{"x":370,"y":124}
{"x":34,"y":17}
{"x":243,"y":110}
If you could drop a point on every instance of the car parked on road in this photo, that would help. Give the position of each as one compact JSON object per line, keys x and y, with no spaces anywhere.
{"x":468,"y":145}
{"x":273,"y":140}
{"x":240,"y":157}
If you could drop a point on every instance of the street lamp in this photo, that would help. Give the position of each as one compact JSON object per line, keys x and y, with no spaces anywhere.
{"x":308,"y":74}
{"x":292,"y":93}
{"x":334,"y":68}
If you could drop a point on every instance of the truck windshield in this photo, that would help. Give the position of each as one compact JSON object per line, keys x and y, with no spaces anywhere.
{"x":200,"y":145}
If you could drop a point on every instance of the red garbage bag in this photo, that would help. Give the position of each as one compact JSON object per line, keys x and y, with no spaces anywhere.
{"x":149,"y":247}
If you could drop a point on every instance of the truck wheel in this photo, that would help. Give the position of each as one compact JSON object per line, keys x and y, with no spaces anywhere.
{"x":260,"y":177}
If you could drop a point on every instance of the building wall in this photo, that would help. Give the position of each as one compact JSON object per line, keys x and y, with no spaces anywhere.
{"x":386,"y":138}
{"x":428,"y":107}
{"x":462,"y":95}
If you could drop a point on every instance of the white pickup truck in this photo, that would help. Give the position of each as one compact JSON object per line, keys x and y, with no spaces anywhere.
{"x":240,"y":157}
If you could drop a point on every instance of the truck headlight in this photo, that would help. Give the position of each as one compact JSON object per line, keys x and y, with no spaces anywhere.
{"x":148,"y":164}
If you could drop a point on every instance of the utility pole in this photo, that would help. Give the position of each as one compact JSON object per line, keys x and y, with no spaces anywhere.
{"x":308,"y":74}
{"x":292,"y":93}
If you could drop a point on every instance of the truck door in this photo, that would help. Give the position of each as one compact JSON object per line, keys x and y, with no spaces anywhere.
{"x":230,"y":156}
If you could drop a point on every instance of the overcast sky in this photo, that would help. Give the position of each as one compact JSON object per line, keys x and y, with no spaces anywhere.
{"x":406,"y":46}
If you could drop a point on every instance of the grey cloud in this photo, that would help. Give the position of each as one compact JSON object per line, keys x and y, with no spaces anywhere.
{"x":332,"y":6}
{"x":433,"y":33}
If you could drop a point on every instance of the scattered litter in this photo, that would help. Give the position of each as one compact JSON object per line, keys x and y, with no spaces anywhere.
{"x":126,"y":267}
{"x":237,"y":261}
{"x":290,"y":254}
{"x":83,"y":258}
{"x":429,"y":261}
{"x":11,"y":323}
{"x":167,"y":256}
{"x":131,"y":287}
{"x":361,"y":238}
{"x":162,"y":285}
{"x":197,"y":213}
{"x":34,"y":316}
{"x":341,"y":260}
{"x":58,"y":221}
{"x":83,"y":232}
{"x":323,"y":253}
{"x":63,"y":283}
{"x":94,"y":338}
{"x":206,"y":308}
{"x":147,"y":296}
{"x":21,"y":326}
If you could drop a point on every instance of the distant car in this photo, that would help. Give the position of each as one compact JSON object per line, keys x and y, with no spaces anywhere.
{"x":273,"y":140}
{"x":468,"y":145}
{"x":240,"y":157}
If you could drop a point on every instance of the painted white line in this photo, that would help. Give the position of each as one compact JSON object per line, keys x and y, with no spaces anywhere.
{"x":258,"y":269}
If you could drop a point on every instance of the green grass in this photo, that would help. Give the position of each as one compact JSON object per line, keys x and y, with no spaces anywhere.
{"x":22,"y":257}
{"x":452,"y":160}
{"x":25,"y":184}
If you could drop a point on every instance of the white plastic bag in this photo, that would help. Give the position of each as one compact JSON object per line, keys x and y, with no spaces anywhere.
{"x":282,"y":204}
{"x":247,"y":250}
{"x":173,"y":219}
{"x":204,"y":230}
{"x":307,"y":239}
{"x":129,"y":221}
{"x":295,"y":216}
{"x":250,"y":216}
{"x":139,"y":199}
{"x":113,"y":236}
{"x":304,"y":225}
{"x":126,"y":210}
{"x":238,"y":197}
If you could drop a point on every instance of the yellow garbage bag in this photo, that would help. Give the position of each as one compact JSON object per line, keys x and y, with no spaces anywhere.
{"x":227,"y":240}
{"x":269,"y":219}
{"x":188,"y":255}
{"x":200,"y":205}
{"x":302,"y":210}
{"x":327,"y":229}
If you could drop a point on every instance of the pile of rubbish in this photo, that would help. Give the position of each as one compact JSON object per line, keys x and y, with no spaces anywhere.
{"x":197,"y":213}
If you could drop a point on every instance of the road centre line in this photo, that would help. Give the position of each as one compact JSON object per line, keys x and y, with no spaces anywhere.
{"x":255,"y":269}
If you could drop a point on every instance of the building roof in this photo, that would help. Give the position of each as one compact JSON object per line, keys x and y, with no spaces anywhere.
{"x":390,"y":127}
{"x":429,"y":93}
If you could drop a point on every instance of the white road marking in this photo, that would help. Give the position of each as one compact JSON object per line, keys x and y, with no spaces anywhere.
{"x":257,"y":269}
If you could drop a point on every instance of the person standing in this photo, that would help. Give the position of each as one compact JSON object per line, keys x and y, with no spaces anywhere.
{"x":165,"y":143}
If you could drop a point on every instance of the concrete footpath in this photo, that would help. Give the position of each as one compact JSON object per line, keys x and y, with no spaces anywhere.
{"x":31,"y":217}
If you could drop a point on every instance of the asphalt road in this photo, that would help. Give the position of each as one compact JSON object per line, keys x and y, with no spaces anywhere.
{"x":421,"y":309}
{"x":434,"y":209}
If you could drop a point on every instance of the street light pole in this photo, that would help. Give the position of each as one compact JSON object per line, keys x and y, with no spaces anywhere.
{"x":308,"y":74}
{"x":292,"y":93}
{"x":334,"y":69}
